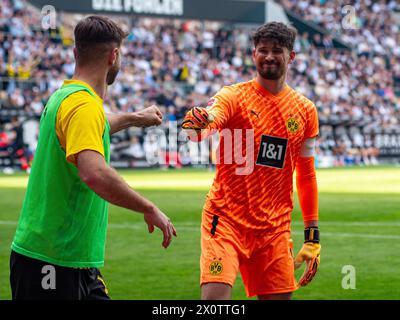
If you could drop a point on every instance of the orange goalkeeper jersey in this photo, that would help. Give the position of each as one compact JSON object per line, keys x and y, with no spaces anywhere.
{"x":262,"y":197}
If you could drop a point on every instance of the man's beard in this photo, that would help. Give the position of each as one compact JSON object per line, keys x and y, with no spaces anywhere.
{"x":271,"y":73}
{"x":111,"y":75}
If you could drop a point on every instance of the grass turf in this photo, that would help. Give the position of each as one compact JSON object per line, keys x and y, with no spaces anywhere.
{"x":360,"y":226}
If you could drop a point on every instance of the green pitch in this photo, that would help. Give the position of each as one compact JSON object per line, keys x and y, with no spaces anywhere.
{"x":360,"y":226}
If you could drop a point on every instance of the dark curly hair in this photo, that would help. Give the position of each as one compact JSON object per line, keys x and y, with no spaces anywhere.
{"x":283,"y":34}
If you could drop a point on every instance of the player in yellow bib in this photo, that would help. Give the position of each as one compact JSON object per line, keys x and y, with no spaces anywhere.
{"x":60,"y":239}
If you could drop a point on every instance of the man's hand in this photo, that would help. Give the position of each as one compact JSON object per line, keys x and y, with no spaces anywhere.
{"x":156,"y":217}
{"x":309,"y":253}
{"x":150,"y":116}
{"x":197,"y":118}
{"x":147,"y":117}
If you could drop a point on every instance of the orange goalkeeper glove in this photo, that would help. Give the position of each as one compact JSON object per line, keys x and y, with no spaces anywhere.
{"x":310,"y":253}
{"x":197,"y":118}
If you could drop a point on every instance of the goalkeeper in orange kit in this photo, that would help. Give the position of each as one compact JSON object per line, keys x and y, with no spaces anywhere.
{"x":247,"y":214}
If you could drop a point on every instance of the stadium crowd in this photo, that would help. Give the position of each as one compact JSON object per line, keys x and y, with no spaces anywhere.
{"x":181,"y":64}
{"x":361,"y":87}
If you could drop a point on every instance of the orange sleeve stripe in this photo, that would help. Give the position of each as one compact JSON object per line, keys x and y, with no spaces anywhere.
{"x":306,"y":182}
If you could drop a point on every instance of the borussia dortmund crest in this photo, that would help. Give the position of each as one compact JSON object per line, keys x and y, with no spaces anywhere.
{"x":216,"y":268}
{"x":293,"y":125}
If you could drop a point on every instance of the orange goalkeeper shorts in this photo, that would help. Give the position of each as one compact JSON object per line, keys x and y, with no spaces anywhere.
{"x":265,"y":261}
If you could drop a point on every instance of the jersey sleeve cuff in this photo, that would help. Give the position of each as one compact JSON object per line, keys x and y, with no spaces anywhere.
{"x":71,"y":156}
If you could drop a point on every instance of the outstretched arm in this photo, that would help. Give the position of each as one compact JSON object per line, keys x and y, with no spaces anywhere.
{"x":147,"y":117}
{"x":201,"y":122}
{"x":106,"y":183}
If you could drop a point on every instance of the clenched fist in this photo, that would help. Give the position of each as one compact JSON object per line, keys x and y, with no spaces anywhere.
{"x":150,"y":116}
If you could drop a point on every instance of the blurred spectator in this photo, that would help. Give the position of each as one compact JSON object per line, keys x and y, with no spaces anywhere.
{"x":133,"y":151}
{"x":180,"y":64}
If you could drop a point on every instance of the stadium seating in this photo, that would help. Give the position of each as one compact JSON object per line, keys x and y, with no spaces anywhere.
{"x":180,"y":64}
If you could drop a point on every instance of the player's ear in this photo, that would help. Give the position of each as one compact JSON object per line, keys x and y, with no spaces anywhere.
{"x":113,"y":56}
{"x":292,"y":55}
{"x":254,"y":54}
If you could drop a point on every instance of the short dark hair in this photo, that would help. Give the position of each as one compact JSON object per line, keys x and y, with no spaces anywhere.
{"x":95,"y":33}
{"x":283,"y":34}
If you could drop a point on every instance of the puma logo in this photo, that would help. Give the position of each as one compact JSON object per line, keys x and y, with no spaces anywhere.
{"x":257,"y":114}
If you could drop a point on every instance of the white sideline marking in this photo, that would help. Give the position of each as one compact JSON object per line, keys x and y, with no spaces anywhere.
{"x":356,"y":235}
{"x":296,"y":223}
{"x":8,"y":223}
{"x":324,"y":234}
{"x":354,"y":224}
{"x":193,"y":227}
